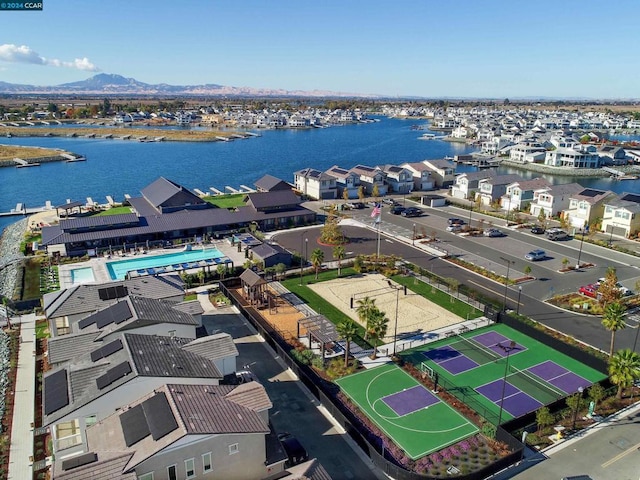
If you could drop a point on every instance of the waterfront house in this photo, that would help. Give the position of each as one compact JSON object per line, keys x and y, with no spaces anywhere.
{"x":612,"y":155}
{"x":491,"y":189}
{"x":527,"y":153}
{"x":345,"y":180}
{"x":587,"y":207}
{"x":269,"y":183}
{"x":494,"y":145}
{"x":370,"y":177}
{"x":442,"y":171}
{"x":399,"y":179}
{"x":88,"y":388}
{"x":519,"y":195}
{"x":65,"y":308}
{"x":166,"y":212}
{"x":315,"y":184}
{"x":183,"y":431}
{"x":466,"y":184}
{"x":580,"y":156}
{"x":553,"y":199}
{"x":422,"y":178}
{"x":622,"y":216}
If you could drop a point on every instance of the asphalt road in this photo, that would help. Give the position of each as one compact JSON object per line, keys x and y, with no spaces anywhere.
{"x":496,"y":253}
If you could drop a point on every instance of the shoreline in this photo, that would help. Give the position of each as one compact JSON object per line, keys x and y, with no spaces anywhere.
{"x":567,"y":171}
{"x":10,"y":240}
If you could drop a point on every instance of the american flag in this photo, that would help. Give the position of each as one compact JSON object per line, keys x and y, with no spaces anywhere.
{"x":376,"y":211}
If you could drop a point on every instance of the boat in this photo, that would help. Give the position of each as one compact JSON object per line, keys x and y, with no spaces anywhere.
{"x":430,"y":136}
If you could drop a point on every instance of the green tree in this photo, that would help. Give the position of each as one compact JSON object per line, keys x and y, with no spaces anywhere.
{"x":377,"y":329}
{"x":317,"y":257}
{"x":608,"y":291}
{"x":364,"y":309}
{"x":222,"y":269}
{"x":347,"y":330}
{"x":544,"y":418}
{"x":624,"y":369}
{"x":201,"y":276}
{"x":338,"y":253}
{"x":375,"y":191}
{"x":542,"y":218}
{"x":613,"y":320}
{"x":595,"y":393}
{"x":331,"y":233}
{"x":526,"y":270}
{"x":357,"y":264}
{"x":106,"y":107}
{"x":345,"y":194}
{"x":361,"y":194}
{"x":280,"y":269}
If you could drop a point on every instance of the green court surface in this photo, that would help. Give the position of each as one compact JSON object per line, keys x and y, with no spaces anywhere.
{"x":419,"y":431}
{"x":466,"y":380}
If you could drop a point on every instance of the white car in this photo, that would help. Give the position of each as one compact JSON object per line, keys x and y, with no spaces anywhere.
{"x":454,"y":228}
{"x":624,"y":290}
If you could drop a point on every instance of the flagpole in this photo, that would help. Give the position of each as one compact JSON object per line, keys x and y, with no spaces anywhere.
{"x":379,"y":220}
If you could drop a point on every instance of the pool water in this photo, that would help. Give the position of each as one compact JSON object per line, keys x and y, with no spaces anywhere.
{"x":82,"y":275}
{"x":168,"y":262}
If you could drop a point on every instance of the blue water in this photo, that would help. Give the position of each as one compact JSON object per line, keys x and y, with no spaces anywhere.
{"x":116,"y":167}
{"x":82,"y":275}
{"x":118,"y":269}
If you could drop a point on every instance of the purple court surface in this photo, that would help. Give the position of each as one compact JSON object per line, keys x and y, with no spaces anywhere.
{"x":410,"y":400}
{"x":498,"y":343}
{"x":451,"y":359}
{"x":515,"y":401}
{"x":559,"y":376}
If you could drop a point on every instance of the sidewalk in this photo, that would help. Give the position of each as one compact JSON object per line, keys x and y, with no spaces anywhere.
{"x":21,"y":449}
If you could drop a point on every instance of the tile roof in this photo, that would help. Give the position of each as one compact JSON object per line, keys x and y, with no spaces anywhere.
{"x":273,"y":200}
{"x":502,"y":179}
{"x":162,"y":191}
{"x":439,"y":163}
{"x":592,"y":196}
{"x":109,"y":466}
{"x":99,"y":222}
{"x":251,"y":278}
{"x":64,"y":348}
{"x":266,"y":250}
{"x":213,"y":347}
{"x":270,"y":183}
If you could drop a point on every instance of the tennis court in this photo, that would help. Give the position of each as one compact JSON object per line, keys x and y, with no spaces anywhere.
{"x":406,"y":411}
{"x":498,"y":368}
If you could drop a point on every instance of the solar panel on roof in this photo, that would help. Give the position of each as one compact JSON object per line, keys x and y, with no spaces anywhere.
{"x":113,"y":374}
{"x":111,"y":293}
{"x":79,"y":460}
{"x":116,"y":313}
{"x":56,"y":392}
{"x":134,"y":425}
{"x":159,"y":416}
{"x":85,"y":322}
{"x":106,"y":350}
{"x":589,"y":192}
{"x":631,"y":198}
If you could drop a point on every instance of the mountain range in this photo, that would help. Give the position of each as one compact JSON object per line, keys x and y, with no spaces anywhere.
{"x":112,"y":84}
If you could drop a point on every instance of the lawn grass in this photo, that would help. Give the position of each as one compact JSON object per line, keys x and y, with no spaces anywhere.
{"x":226,"y":201}
{"x":439,"y":297}
{"x":113,"y":211}
{"x":32,"y":278}
{"x":42,"y":330}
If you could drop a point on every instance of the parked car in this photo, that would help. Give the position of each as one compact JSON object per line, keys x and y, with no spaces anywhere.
{"x":294,"y":450}
{"x":624,"y":290}
{"x":356,"y":205}
{"x":245,"y":376}
{"x":536,"y":255}
{"x":493,"y":232}
{"x":537,"y":230}
{"x":372,"y":204}
{"x":557,"y":234}
{"x":389,"y":201}
{"x":455,"y":228}
{"x":397,"y":210}
{"x":456,"y":221}
{"x":589,"y":290}
{"x":411,"y":212}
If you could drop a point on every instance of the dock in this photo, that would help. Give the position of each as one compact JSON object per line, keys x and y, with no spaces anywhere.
{"x":110,"y":200}
{"x":199,"y":192}
{"x":20,"y":163}
{"x":73,"y":158}
{"x":224,"y":139}
{"x":127,"y":196}
{"x":216,"y":191}
{"x":231,"y":189}
{"x":247,"y":189}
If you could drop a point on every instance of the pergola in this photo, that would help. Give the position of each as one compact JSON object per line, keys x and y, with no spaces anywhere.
{"x":320,"y":329}
{"x":69,"y":206}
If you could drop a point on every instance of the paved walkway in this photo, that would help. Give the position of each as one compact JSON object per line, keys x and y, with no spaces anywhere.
{"x":21,"y":449}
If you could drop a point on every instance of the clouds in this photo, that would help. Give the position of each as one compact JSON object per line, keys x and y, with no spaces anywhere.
{"x":23,"y":54}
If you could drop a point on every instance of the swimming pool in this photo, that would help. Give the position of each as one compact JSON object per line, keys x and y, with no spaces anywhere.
{"x":147,"y":264}
{"x":82,"y":275}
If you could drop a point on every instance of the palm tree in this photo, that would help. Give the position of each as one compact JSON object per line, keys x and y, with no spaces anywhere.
{"x":339,"y":253}
{"x":624,"y":369}
{"x":366,"y":305}
{"x":347,"y":329}
{"x":317,"y":257}
{"x":613,"y":320}
{"x":377,"y":328}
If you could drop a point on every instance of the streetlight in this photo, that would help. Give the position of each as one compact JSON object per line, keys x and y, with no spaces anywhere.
{"x":413,"y":239}
{"x":577,"y":407}
{"x":518,"y":306}
{"x":511,"y":346}
{"x":395,"y":327}
{"x":585,"y":229}
{"x":506,"y":283}
{"x":635,"y":342}
{"x":301,"y":262}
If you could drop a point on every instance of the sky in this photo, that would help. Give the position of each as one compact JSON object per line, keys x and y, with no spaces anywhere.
{"x":399,"y":48}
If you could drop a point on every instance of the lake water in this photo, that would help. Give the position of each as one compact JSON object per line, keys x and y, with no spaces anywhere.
{"x":115,"y":167}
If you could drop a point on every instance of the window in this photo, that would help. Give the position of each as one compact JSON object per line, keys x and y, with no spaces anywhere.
{"x":233,"y":449}
{"x":190,"y":468}
{"x":146,"y":476}
{"x":172,"y":473}
{"x":206,"y":462}
{"x":90,"y":420}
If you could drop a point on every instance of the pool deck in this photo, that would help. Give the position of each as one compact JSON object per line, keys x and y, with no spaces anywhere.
{"x":101,"y":273}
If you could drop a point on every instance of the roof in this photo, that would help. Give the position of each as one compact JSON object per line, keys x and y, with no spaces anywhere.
{"x":267,"y":250}
{"x":532,"y":184}
{"x":165,"y":192}
{"x":416,"y":166}
{"x":478,"y":175}
{"x":69,"y":205}
{"x":502,"y":179}
{"x":365,"y":170}
{"x":98,"y":222}
{"x":565,"y":188}
{"x":251,"y":278}
{"x":85,"y":298}
{"x":313,"y":173}
{"x":213,"y":347}
{"x":273,"y":200}
{"x":107,"y":466}
{"x":627,"y":201}
{"x":66,"y":347}
{"x":440,"y":163}
{"x":339,"y":172}
{"x":185,"y":410}
{"x":592,"y":196}
{"x":270,"y":183}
